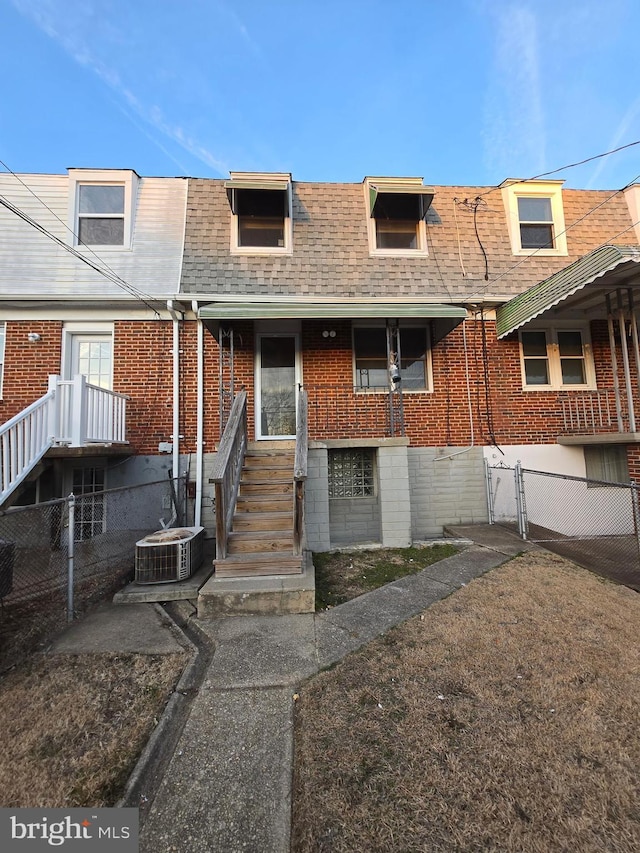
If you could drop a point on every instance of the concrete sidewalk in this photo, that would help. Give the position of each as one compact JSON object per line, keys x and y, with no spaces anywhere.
{"x":228,"y":786}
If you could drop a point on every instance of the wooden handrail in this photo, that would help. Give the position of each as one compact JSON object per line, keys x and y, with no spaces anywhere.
{"x":300,"y":470}
{"x":227,"y":468}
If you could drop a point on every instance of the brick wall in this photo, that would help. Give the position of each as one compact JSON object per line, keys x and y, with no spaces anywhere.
{"x":27,"y":365}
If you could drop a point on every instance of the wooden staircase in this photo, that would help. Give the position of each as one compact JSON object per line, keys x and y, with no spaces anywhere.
{"x":261,"y":537}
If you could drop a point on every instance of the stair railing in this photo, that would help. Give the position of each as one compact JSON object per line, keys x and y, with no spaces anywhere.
{"x":24,"y":440}
{"x":227,"y":469}
{"x":300,"y":470}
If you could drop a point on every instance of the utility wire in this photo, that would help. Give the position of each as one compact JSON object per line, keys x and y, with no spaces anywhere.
{"x":563,"y":168}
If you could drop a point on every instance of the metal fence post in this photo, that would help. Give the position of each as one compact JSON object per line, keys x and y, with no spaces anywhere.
{"x":636,"y":512}
{"x":489,"y":485}
{"x":521,"y":506}
{"x":71,"y":555}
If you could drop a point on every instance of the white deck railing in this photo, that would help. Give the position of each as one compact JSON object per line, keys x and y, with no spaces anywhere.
{"x":72,"y":412}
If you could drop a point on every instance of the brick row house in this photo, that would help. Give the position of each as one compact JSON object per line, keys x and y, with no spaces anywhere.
{"x":413,"y":331}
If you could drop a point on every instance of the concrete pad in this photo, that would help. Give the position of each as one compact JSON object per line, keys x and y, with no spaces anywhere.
{"x":260,"y":651}
{"x":138,"y":629}
{"x":136,"y":593}
{"x":228,"y":785}
{"x":493,"y":536}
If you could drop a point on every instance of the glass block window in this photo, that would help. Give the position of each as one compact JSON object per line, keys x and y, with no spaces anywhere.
{"x":351,"y":473}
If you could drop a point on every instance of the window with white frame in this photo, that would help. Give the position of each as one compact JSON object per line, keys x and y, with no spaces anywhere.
{"x":396,"y":221}
{"x":88,"y":486}
{"x":101,"y":207}
{"x":606,"y":462}
{"x":261,"y":213}
{"x":351,"y":473}
{"x":3,"y":336}
{"x":371,"y":358}
{"x":535,"y":217}
{"x":556,"y":358}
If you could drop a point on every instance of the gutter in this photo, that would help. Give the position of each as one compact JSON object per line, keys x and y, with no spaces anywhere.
{"x":176,"y":316}
{"x":199,"y":415}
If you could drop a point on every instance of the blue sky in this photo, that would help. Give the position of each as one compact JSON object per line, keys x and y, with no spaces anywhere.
{"x":459,"y":92}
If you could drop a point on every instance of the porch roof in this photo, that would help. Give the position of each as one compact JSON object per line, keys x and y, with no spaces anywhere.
{"x":343,"y":309}
{"x":585,"y":271}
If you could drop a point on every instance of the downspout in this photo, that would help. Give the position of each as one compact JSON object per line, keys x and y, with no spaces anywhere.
{"x":200,"y":416}
{"x":176,"y":316}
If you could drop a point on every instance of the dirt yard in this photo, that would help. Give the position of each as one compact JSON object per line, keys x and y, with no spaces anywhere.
{"x":505,"y":718}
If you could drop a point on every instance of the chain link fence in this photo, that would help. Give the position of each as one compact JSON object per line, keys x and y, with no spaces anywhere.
{"x":592,"y":522}
{"x":60,"y":558}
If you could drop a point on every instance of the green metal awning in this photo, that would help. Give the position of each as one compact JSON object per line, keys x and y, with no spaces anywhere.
{"x":344,"y":309}
{"x":561,"y":285}
{"x":248,"y":184}
{"x":398,"y":188}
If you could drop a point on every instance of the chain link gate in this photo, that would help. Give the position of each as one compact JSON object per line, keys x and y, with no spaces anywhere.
{"x":592,"y":522}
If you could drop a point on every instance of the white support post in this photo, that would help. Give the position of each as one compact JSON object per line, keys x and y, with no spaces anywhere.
{"x":79,"y":411}
{"x":625,"y":363}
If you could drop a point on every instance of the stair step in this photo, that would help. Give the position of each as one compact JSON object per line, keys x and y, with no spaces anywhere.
{"x":262,"y":521}
{"x":265,"y":474}
{"x":271,"y":487}
{"x":269,"y":460}
{"x":264,"y":503}
{"x":251,"y":565}
{"x":247,"y":542}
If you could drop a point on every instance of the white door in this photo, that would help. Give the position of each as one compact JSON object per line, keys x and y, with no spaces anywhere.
{"x":92,"y":356}
{"x":277,"y":378}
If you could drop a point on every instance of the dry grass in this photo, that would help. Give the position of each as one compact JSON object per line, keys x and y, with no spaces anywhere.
{"x":506,"y":718}
{"x":72,"y":727}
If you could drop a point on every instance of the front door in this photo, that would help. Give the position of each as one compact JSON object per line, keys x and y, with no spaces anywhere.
{"x":276,"y":386}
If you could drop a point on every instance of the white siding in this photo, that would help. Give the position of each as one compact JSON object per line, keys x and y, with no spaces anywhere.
{"x":32,"y":264}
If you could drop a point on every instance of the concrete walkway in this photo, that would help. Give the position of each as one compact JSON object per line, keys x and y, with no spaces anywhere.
{"x":227,"y":785}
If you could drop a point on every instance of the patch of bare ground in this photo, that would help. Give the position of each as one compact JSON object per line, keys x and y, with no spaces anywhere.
{"x":72,"y":727}
{"x":505,"y":718}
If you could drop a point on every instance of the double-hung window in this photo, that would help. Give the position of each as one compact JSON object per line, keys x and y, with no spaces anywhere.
{"x":101,"y":207}
{"x":261,"y":213}
{"x":101,"y":214}
{"x":372,"y":358}
{"x":397,"y":208}
{"x":536,"y":222}
{"x":556,"y":358}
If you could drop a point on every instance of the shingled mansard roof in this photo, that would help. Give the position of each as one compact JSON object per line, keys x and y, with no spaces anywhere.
{"x":331,"y":258}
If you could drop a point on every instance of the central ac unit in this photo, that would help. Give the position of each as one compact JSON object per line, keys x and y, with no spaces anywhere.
{"x":169,"y":555}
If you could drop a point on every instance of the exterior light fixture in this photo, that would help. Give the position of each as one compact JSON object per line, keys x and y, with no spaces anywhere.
{"x":329,"y":333}
{"x":34,"y":337}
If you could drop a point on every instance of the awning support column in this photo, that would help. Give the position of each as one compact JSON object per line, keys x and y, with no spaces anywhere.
{"x":634,"y":331}
{"x":614,"y":364}
{"x":625,"y":362}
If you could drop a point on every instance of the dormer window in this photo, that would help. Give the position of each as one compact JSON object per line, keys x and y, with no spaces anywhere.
{"x":397,"y":208}
{"x":536,"y":222}
{"x":102,"y":207}
{"x":535,"y":217}
{"x":261,"y":209}
{"x":101,"y":214}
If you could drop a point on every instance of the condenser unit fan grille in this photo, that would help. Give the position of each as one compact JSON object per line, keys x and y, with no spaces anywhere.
{"x":169,"y":555}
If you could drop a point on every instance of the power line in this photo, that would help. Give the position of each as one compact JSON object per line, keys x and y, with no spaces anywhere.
{"x":564,"y":168}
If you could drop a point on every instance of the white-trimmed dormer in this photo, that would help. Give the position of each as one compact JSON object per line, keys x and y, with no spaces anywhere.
{"x":535,"y":217}
{"x":102,"y":205}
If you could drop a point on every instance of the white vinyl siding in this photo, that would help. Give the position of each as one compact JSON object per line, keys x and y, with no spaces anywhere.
{"x":31,"y":264}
